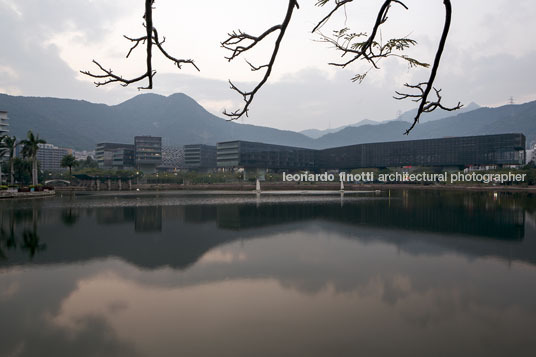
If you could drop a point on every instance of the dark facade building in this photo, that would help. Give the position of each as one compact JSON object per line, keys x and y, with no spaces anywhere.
{"x":110,"y":155}
{"x":500,"y":149}
{"x":148,"y":152}
{"x":247,"y":154}
{"x":123,"y":159}
{"x":200,"y":156}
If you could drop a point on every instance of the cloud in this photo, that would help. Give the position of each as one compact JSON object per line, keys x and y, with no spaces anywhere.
{"x":487,"y":60}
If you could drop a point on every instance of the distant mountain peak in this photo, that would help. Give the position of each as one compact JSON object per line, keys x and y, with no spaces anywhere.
{"x":177,"y":118}
{"x":436,"y":114}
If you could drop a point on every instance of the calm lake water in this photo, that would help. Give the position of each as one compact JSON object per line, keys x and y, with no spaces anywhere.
{"x":174,"y":274}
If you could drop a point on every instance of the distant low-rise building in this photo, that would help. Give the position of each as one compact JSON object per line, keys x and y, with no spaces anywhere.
{"x":83,"y":155}
{"x":172,"y":158}
{"x":115,"y":155}
{"x":200,"y":157}
{"x":4,"y":130}
{"x":148,"y":151}
{"x":246,"y":154}
{"x":50,"y":156}
{"x":530,"y":155}
{"x":4,"y":125}
{"x":123,"y":159}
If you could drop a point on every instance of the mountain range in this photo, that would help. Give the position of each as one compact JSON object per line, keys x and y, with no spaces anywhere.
{"x":436,"y":114}
{"x":180,"y":120}
{"x":316,"y":133}
{"x":406,"y":116}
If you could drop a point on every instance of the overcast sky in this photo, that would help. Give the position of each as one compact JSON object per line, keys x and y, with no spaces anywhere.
{"x":489,"y":56}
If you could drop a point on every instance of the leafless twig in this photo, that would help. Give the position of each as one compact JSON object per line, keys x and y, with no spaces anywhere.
{"x":428,"y":105}
{"x":240,"y":42}
{"x":151,"y":38}
{"x":338,"y":4}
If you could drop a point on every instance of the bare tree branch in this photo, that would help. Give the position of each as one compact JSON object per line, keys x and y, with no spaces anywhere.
{"x":177,"y":62}
{"x":359,"y":46}
{"x":428,"y":105}
{"x":372,"y":50}
{"x":235,"y":44}
{"x":151,"y":38}
{"x":365,"y":49}
{"x":338,"y":4}
{"x":425,"y":105}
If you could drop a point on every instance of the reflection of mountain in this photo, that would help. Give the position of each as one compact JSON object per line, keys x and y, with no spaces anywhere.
{"x":430,"y":223}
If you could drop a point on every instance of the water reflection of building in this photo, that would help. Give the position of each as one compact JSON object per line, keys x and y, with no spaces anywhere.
{"x":433,"y":223}
{"x":114,"y":215}
{"x":200,"y":214}
{"x":186,"y":233}
{"x":148,"y":219}
{"x":415,"y":214}
{"x":145,"y":218}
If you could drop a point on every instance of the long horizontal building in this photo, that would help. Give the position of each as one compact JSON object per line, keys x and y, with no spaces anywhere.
{"x":248,"y":154}
{"x":500,"y":149}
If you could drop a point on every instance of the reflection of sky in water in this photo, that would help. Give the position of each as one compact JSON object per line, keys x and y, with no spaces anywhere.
{"x":311,"y":286}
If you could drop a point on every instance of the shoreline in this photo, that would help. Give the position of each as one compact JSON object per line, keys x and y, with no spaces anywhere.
{"x":26,"y":195}
{"x":335,"y":187}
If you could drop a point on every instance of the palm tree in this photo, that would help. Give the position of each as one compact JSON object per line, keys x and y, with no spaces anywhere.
{"x":10,"y":143}
{"x":69,"y":161}
{"x":31,"y":146}
{"x":30,"y":239}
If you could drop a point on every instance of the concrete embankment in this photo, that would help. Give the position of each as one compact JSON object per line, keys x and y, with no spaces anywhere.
{"x":24,"y":195}
{"x":275,"y":186}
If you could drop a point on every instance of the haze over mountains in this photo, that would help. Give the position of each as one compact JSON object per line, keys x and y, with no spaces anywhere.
{"x":316,"y":133}
{"x":180,"y":120}
{"x":406,"y":116}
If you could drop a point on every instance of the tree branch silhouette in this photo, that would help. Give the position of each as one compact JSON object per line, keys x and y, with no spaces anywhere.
{"x":236,"y":44}
{"x":363,"y":47}
{"x":150,"y":39}
{"x":357,"y":46}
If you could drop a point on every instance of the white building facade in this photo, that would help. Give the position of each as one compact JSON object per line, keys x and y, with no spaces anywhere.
{"x":50,"y":156}
{"x":4,"y":125}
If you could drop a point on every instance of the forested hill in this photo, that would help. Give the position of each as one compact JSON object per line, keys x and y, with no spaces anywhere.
{"x":177,"y":118}
{"x":180,"y":120}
